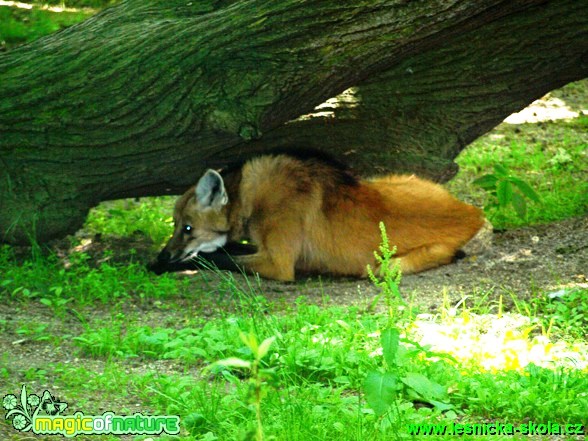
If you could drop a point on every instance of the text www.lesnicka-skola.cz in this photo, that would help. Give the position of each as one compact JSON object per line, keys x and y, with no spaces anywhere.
{"x":530,"y":428}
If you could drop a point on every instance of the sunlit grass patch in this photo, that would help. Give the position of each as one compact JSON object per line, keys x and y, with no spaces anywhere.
{"x":315,"y":402}
{"x":534,"y":393}
{"x":21,"y":25}
{"x":149,"y":216}
{"x":551,"y":156}
{"x":497,"y":343}
{"x":24,"y":21}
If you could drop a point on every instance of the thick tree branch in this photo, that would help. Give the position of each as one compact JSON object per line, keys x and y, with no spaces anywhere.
{"x":141,"y":98}
{"x":418,"y":115}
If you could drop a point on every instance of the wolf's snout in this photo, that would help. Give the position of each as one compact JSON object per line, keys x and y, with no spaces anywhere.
{"x":164,"y":257}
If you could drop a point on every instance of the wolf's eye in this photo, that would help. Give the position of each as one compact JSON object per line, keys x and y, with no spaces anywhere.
{"x":187,"y":229}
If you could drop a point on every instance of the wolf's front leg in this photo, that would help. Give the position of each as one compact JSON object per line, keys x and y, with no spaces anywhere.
{"x":269,"y":266}
{"x":278,"y":252}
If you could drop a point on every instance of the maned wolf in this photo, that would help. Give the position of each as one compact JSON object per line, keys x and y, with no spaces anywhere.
{"x":310,"y":214}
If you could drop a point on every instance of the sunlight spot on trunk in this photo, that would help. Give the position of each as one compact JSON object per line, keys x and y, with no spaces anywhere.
{"x":347,"y":99}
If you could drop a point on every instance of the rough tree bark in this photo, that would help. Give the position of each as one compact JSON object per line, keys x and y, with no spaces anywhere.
{"x":141,"y":98}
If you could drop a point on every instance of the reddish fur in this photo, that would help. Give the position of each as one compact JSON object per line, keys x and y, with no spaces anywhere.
{"x":302,"y":218}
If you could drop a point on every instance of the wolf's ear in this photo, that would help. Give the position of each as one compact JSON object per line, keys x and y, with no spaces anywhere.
{"x":210,"y":191}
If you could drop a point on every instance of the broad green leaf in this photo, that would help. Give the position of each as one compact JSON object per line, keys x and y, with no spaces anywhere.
{"x":504,"y":193}
{"x":380,"y":391}
{"x":526,"y":189}
{"x":520,"y":205}
{"x":486,"y":182}
{"x":500,"y":170}
{"x":390,"y":338}
{"x":196,"y":423}
{"x":425,"y":388}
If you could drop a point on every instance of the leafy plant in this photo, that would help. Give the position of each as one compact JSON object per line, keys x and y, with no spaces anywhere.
{"x":128,"y":217}
{"x":55,"y":300}
{"x":384,"y":387}
{"x":507,"y":189}
{"x":389,"y":274}
{"x":36,"y":332}
{"x":258,"y":376}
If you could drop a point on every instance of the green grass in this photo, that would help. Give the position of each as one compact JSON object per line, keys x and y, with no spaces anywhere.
{"x":24,"y":25}
{"x":302,"y":336}
{"x":56,"y":284}
{"x":21,"y":25}
{"x":317,"y":378}
{"x":566,"y":316}
{"x":319,"y":363}
{"x":148,"y":216}
{"x":552,"y":157}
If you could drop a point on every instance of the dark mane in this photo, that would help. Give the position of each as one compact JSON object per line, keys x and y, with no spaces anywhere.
{"x":343,"y":173}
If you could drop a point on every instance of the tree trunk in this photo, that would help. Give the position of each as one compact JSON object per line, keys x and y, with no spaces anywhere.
{"x":141,"y":98}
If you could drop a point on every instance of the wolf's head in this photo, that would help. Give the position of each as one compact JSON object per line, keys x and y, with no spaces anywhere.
{"x":200,"y":218}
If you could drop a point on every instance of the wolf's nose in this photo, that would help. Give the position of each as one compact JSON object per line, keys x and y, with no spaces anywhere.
{"x":164,"y":256}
